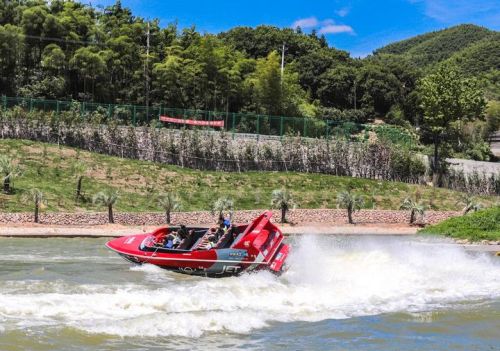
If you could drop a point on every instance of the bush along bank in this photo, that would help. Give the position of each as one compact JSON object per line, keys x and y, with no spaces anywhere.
{"x":477,"y":226}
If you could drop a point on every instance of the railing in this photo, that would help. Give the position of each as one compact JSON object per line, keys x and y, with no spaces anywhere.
{"x":241,"y":123}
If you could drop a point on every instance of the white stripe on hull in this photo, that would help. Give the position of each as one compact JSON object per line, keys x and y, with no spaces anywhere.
{"x":150,"y":258}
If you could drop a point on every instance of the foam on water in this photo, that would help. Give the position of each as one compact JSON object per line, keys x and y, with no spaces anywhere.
{"x":326,"y":279}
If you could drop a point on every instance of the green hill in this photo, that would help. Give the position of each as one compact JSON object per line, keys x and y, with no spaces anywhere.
{"x":479,"y":57}
{"x":463,"y":44}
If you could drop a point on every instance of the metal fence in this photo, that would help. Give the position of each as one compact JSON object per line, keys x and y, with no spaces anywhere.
{"x":247,"y":123}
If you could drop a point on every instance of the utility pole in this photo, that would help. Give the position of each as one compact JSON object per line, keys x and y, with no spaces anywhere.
{"x":146,"y":73}
{"x":282,"y":62}
{"x":355,"y":93}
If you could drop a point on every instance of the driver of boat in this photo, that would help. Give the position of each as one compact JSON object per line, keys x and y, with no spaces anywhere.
{"x":172,"y":240}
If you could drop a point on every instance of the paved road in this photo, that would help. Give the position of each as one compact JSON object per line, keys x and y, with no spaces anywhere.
{"x":470,"y":166}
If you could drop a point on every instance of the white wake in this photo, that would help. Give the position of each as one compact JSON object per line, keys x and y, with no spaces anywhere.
{"x":327,"y":278}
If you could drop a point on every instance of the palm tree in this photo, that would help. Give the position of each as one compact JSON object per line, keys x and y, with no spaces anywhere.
{"x":470,"y":203}
{"x":108,"y":199}
{"x":9,"y":171}
{"x":351,"y":202}
{"x":79,"y":169}
{"x":169,"y":202}
{"x":36,"y":197}
{"x":415,"y":207}
{"x":282,"y":199}
{"x":221,"y":205}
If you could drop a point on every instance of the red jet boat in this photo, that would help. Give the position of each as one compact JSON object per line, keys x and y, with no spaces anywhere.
{"x":254,"y":246}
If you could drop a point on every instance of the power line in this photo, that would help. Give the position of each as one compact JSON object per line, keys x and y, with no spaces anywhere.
{"x":63,"y":40}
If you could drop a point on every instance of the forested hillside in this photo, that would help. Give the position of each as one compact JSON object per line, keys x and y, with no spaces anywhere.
{"x":475,"y":50}
{"x":68,"y":50}
{"x":434,"y":47}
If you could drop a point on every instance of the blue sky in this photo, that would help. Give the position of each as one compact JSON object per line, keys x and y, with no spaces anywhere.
{"x":358,"y":26}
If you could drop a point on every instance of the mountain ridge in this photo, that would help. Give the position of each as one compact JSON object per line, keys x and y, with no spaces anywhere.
{"x":468,"y":40}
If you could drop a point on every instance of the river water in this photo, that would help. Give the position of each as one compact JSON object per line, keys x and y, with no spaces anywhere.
{"x":340,"y":293}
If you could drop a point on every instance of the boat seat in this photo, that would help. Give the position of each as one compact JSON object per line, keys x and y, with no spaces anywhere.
{"x":225,"y":240}
{"x":185,"y":243}
{"x":201,"y":242}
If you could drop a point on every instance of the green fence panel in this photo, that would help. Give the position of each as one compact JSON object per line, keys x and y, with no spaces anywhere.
{"x":233,"y":122}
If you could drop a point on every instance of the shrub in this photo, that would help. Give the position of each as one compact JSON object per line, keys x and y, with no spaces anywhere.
{"x":481,"y":225}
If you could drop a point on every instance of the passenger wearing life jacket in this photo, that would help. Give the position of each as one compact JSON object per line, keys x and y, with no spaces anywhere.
{"x":172,"y":240}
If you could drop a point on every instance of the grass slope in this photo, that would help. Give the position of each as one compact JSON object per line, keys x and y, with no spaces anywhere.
{"x":49,"y":168}
{"x":481,"y":225}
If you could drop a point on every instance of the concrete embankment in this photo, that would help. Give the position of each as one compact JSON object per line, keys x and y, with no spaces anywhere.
{"x":44,"y":231}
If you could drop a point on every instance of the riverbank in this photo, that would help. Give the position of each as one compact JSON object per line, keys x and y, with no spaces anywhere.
{"x":319,"y":221}
{"x":31,"y":230}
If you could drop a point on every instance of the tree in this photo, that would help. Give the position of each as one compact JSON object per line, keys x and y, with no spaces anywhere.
{"x":53,"y":59}
{"x":89,"y":64}
{"x":414,"y":206}
{"x":169,"y":202}
{"x":79,"y":169}
{"x":267,"y":83}
{"x":36,"y":197}
{"x":9,"y":171}
{"x":469,"y":202}
{"x":221,"y":205}
{"x":447,"y":98}
{"x":336,"y":87}
{"x":11,"y":51}
{"x":106,"y":198}
{"x":282,"y":199}
{"x":351,"y":202}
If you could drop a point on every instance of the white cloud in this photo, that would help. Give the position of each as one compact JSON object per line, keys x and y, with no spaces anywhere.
{"x":336,"y":28}
{"x":343,"y":12}
{"x":486,"y":12}
{"x":309,"y":22}
{"x":326,"y":26}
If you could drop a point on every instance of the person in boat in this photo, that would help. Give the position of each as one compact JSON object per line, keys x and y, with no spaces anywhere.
{"x":211,"y":239}
{"x":212,"y":242}
{"x":220,"y":231}
{"x":227,"y":222}
{"x":212,"y":234}
{"x":182,"y":233}
{"x":172,"y":240}
{"x":187,"y":242}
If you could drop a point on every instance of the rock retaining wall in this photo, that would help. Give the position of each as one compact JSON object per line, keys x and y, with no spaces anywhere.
{"x":203,"y":217}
